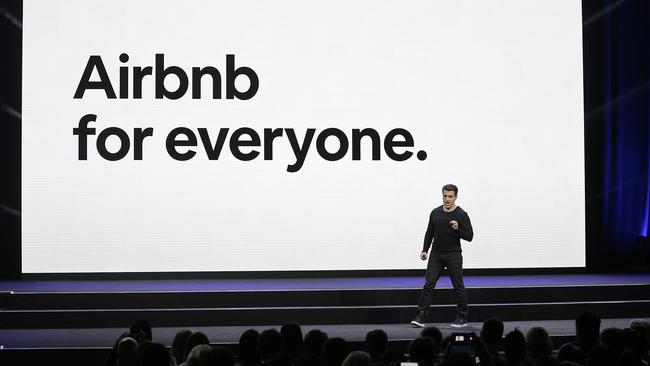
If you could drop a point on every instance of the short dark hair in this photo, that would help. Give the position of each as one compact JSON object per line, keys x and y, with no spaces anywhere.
{"x":269,"y":343}
{"x":539,"y":342}
{"x":435,"y":334}
{"x":314,"y":341}
{"x":588,"y":328}
{"x":195,"y":339}
{"x":178,"y":345}
{"x":153,"y":354}
{"x":450,"y":187}
{"x":377,"y":342}
{"x":142,"y":326}
{"x":335,"y":350}
{"x":515,"y":346}
{"x":492,"y":331}
{"x":247,"y":350}
{"x":422,"y":349}
{"x":217,"y":356}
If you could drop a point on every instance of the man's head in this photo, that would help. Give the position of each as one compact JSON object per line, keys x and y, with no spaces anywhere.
{"x":449,"y":195}
{"x":377,"y":343}
{"x":422,"y":350}
{"x":515,"y":346}
{"x":269,"y":343}
{"x":435,"y":334}
{"x":492,"y":331}
{"x":142,"y":326}
{"x":588,"y":328}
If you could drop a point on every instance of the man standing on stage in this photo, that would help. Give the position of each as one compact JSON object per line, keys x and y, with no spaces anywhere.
{"x":447,"y":225}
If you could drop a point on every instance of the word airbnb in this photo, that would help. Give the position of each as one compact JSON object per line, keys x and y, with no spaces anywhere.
{"x":160,"y":72}
{"x":247,"y":144}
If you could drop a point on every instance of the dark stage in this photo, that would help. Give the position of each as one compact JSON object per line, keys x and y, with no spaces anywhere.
{"x":92,"y":314}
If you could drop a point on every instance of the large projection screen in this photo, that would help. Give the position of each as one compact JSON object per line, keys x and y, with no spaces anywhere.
{"x":490,"y":91}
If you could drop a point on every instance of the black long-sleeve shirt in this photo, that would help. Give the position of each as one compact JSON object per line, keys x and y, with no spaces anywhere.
{"x":442,"y":235}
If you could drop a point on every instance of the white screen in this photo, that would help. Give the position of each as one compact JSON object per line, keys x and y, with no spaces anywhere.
{"x":491,"y":90}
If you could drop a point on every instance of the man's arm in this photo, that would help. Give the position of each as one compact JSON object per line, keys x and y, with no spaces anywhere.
{"x":428,"y":236}
{"x":466,"y":232}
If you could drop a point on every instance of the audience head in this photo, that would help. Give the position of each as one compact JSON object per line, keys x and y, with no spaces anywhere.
{"x":195,"y":339}
{"x":314,"y":341}
{"x":197,"y":354}
{"x":376,"y":343}
{"x":392,"y":355}
{"x":422,"y":350}
{"x":613,"y":338}
{"x":515,"y":347}
{"x":629,"y":358}
{"x":154,"y":354}
{"x":292,"y":337}
{"x":539,"y":343}
{"x":217,"y":356}
{"x":335,"y":350}
{"x":178,"y":345}
{"x":247,"y":350}
{"x":357,"y":358}
{"x":572,"y":353}
{"x":627,"y":347}
{"x":640,"y":324}
{"x":587,"y":330}
{"x":269,"y":343}
{"x":601,"y":356}
{"x":127,"y":351}
{"x":137,"y":337}
{"x":143,"y":327}
{"x":636,"y":342}
{"x":491,"y":332}
{"x":435,"y":334}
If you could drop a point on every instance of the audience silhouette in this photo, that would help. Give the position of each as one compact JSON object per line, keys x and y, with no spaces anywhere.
{"x":288,"y":347}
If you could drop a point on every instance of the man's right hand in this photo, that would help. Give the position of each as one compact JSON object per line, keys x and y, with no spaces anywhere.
{"x":423,"y":256}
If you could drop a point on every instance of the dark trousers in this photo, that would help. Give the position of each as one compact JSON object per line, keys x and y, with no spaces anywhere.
{"x":454,"y":263}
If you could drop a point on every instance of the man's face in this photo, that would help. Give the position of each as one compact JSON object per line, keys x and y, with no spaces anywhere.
{"x":448,"y":199}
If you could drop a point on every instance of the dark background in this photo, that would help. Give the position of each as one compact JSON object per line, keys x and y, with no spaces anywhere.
{"x":617,"y":134}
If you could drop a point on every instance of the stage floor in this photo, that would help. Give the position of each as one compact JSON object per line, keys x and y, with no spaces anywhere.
{"x":53,"y":314}
{"x":105,"y":337}
{"x":211,"y":285}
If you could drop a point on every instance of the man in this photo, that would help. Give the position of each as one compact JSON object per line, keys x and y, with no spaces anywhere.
{"x":447,"y":225}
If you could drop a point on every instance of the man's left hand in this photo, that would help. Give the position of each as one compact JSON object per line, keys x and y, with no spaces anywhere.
{"x":454,"y":224}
